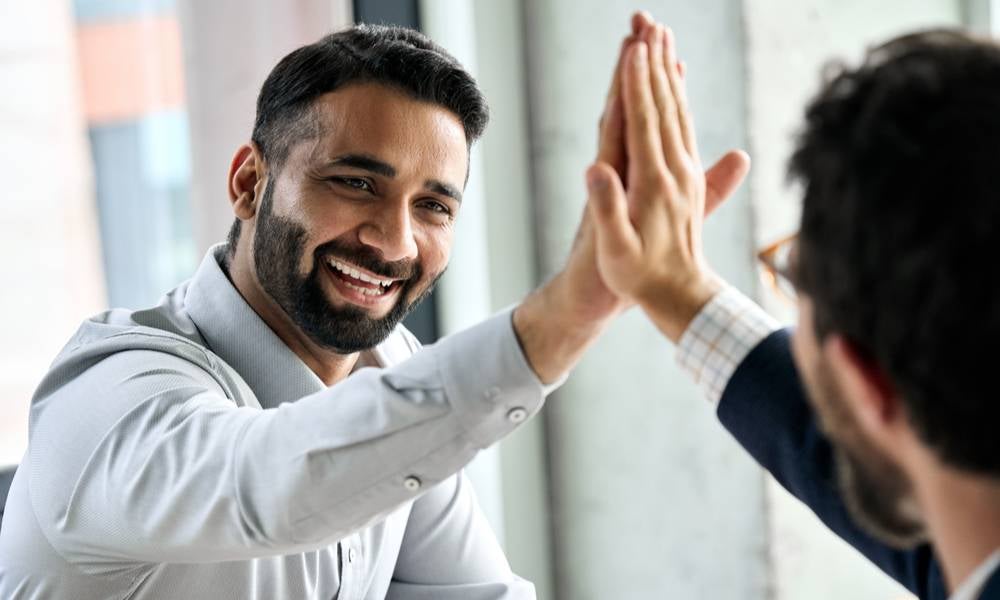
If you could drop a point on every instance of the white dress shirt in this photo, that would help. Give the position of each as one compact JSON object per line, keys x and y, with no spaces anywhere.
{"x":974,"y":583}
{"x":184,"y":452}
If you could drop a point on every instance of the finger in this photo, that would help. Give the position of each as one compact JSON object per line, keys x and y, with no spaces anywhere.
{"x":611,"y":143}
{"x":614,"y":88}
{"x":674,"y":149}
{"x":640,"y":21}
{"x":642,"y":139}
{"x":607,"y":204}
{"x":682,"y":69}
{"x":611,"y":137}
{"x":722,"y":179}
{"x":679,"y":89}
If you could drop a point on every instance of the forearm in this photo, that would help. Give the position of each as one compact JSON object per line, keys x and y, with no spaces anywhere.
{"x":736,"y":353}
{"x":765,"y":408}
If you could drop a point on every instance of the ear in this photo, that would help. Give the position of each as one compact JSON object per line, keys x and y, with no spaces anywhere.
{"x":866,"y":388}
{"x":246,"y":173}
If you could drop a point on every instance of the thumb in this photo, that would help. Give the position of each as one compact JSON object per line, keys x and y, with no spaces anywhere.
{"x":608,"y":206}
{"x":722,"y":179}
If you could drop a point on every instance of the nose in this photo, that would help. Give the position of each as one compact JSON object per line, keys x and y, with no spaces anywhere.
{"x":390,"y":231}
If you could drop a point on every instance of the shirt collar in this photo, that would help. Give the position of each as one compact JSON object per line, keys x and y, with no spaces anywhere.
{"x":973,"y":584}
{"x":237,"y":334}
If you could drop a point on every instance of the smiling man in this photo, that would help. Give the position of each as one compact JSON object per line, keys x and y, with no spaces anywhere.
{"x":230,"y":442}
{"x":358,"y":228}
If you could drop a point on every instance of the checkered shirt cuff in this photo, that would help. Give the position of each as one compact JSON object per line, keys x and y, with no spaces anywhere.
{"x":720,"y":337}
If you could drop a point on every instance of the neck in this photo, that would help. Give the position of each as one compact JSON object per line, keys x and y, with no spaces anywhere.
{"x":962,"y":511}
{"x":329,"y":366}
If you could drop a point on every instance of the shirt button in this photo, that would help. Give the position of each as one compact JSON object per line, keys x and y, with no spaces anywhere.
{"x":517,"y":415}
{"x":411,"y":483}
{"x":352,"y":555}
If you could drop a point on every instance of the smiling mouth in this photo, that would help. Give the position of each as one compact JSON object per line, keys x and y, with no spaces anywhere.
{"x":359,"y":286}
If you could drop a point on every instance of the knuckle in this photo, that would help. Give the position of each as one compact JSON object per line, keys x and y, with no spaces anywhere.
{"x":658,"y":182}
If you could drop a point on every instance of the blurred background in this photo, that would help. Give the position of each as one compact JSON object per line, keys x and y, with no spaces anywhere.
{"x":118,"y":119}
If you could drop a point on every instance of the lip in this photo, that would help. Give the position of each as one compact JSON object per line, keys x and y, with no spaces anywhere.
{"x":355,"y":297}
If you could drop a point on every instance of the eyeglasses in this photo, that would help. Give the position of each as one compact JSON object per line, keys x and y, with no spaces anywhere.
{"x":776,"y":260}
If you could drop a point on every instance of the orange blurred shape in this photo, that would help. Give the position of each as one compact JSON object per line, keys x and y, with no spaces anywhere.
{"x":130,"y":68}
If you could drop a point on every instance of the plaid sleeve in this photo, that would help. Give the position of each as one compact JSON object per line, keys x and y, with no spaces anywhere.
{"x":720,"y":337}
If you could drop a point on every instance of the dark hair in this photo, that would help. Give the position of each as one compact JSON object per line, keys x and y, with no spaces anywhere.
{"x":901,"y":227}
{"x":393,"y":56}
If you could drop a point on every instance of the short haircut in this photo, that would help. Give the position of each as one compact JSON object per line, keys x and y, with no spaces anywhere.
{"x":899,"y":160}
{"x":400,"y":58}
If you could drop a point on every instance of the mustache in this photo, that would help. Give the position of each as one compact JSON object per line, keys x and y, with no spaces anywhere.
{"x":369,"y":259}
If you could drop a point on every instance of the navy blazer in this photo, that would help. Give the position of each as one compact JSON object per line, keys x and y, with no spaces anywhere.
{"x":765,"y":408}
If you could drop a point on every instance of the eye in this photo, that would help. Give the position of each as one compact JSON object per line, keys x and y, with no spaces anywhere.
{"x":437,"y":207}
{"x":355,"y":183}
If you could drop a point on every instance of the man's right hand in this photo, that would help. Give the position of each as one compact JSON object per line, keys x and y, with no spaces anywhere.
{"x":557,"y":322}
{"x":648,"y":223}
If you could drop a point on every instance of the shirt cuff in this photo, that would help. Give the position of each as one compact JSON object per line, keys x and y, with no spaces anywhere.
{"x":489,"y":381}
{"x":720,"y":337}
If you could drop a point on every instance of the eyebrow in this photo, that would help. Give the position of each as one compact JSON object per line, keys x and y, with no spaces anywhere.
{"x":369,"y":163}
{"x":439,"y":187}
{"x":364,"y":162}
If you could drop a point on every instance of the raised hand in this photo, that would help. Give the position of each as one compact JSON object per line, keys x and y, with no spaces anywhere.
{"x":557,"y":322}
{"x":720,"y":180}
{"x":648,"y":224}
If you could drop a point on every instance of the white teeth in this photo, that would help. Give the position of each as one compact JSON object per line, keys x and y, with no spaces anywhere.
{"x":365,"y":291}
{"x":349,"y":270}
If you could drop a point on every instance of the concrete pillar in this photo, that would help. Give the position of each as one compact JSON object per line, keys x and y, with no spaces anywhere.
{"x":51,"y":265}
{"x":463,"y":295}
{"x":651,"y":498}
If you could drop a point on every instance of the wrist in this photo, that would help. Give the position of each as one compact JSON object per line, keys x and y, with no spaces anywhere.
{"x":554,"y":329}
{"x":672,"y":308}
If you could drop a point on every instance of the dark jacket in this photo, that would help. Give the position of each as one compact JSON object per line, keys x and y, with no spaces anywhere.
{"x":765,"y":408}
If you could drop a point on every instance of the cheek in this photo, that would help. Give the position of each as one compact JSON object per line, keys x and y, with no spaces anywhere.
{"x":797,"y":350}
{"x":435,"y":249}
{"x":804,"y":348}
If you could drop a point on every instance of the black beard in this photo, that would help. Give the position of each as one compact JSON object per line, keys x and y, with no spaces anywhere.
{"x":877,"y":494}
{"x":880,"y":500}
{"x":278,"y":247}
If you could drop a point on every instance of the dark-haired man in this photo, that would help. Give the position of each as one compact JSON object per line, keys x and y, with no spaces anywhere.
{"x":230,"y":442}
{"x":215,"y":447}
{"x":895,"y":448}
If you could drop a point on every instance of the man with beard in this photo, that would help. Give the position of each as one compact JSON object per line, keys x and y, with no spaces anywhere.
{"x":230,"y":442}
{"x":895,"y":448}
